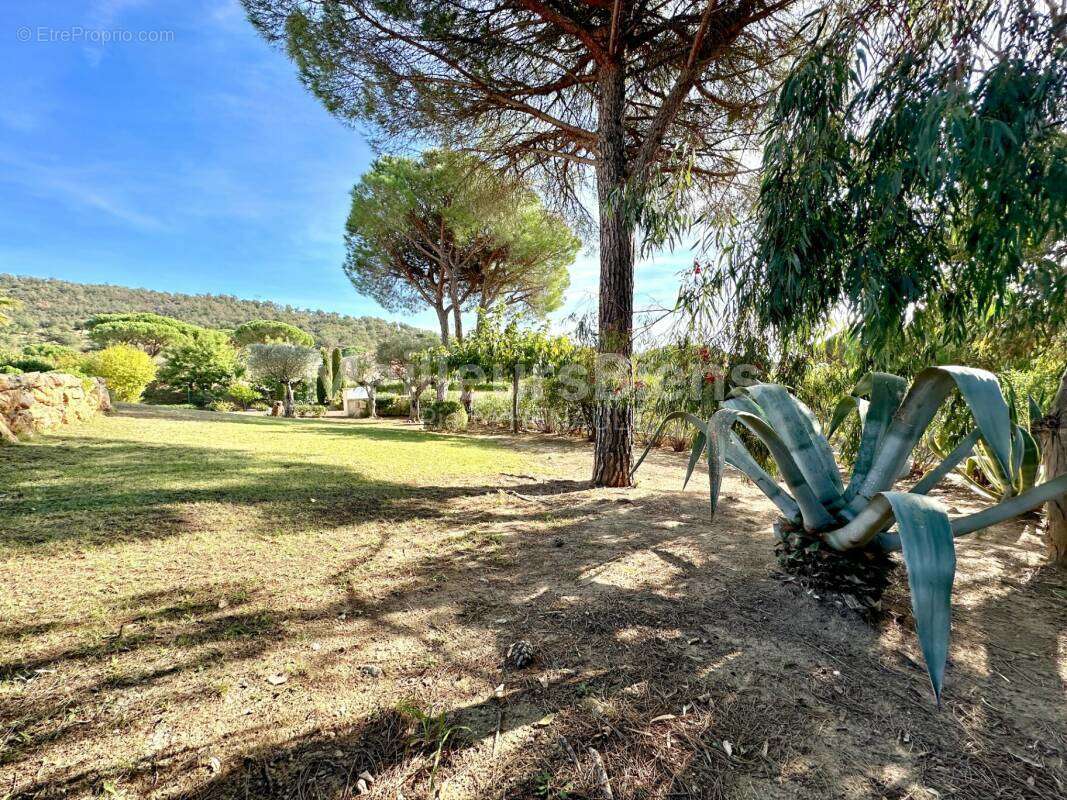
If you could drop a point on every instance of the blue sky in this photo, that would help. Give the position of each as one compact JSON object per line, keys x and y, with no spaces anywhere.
{"x":188,"y":158}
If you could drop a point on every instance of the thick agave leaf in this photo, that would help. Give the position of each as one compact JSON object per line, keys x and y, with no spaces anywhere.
{"x":1005,"y":510}
{"x":795,"y":425}
{"x":1035,"y":409}
{"x":886,"y":392}
{"x":930,"y":557}
{"x":925,"y":536}
{"x":700,"y":442}
{"x":1030,"y":463}
{"x":996,"y":486}
{"x":738,"y":456}
{"x":812,"y":512}
{"x":981,"y":392}
{"x":739,"y":400}
{"x":675,"y":416}
{"x":845,"y":406}
{"x":948,"y":463}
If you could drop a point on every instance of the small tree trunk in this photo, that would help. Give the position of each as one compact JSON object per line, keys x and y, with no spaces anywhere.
{"x":614,"y":412}
{"x":414,"y":410}
{"x":290,"y":401}
{"x":372,"y":401}
{"x":1054,"y":462}
{"x":467,"y":398}
{"x":515,"y":400}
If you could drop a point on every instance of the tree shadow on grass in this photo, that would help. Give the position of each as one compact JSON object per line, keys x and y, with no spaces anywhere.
{"x":710,"y":684}
{"x":92,"y":491}
{"x":658,"y":677}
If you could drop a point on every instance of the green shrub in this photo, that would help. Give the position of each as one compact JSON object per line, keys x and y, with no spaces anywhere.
{"x":445,"y":415}
{"x":202,"y":368}
{"x":32,"y":364}
{"x":242,"y":394}
{"x":394,"y":406}
{"x":7,"y":369}
{"x":259,"y":405}
{"x":62,"y":358}
{"x":127,"y":370}
{"x":494,"y":408}
{"x":222,"y":405}
{"x":309,"y":410}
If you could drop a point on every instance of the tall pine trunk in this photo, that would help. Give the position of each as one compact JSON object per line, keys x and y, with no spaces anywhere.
{"x":457,"y":315}
{"x":1054,"y":462}
{"x":614,"y":412}
{"x":442,"y":320}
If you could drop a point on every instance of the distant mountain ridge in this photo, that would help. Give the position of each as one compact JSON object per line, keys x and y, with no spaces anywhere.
{"x":53,"y":310}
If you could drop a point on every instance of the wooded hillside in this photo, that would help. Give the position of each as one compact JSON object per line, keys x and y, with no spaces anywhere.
{"x":53,"y":311}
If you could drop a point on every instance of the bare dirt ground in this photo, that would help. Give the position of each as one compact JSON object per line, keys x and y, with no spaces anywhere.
{"x":669,"y":661}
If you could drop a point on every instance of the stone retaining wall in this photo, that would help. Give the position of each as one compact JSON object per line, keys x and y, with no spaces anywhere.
{"x":42,"y":401}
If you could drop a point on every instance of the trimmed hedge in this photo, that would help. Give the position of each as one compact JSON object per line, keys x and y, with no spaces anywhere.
{"x":394,"y":406}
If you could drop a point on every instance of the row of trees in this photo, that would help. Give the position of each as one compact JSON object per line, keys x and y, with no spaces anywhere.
{"x":274,"y":353}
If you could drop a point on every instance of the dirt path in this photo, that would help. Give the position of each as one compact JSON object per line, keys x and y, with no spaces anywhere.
{"x":668,"y":662}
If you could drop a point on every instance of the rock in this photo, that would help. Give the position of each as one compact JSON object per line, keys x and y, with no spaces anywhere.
{"x":372,"y":670}
{"x":6,"y":436}
{"x":40,"y":401}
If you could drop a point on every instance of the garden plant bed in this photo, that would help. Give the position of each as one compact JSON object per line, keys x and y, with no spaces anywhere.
{"x":204,"y":605}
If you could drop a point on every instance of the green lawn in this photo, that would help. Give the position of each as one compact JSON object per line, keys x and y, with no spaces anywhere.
{"x":163,"y":561}
{"x":146,"y":471}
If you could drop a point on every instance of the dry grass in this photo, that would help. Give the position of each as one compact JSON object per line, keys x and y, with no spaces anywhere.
{"x":181,"y":620}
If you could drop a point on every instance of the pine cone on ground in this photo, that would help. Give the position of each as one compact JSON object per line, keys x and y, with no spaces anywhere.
{"x":520,"y":654}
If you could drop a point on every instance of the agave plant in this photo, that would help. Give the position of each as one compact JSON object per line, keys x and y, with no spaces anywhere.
{"x":868,"y":512}
{"x":980,"y":470}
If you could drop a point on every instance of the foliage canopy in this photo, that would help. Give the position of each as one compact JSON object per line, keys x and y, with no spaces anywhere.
{"x":447,"y":231}
{"x":919,"y":177}
{"x":267,"y":331}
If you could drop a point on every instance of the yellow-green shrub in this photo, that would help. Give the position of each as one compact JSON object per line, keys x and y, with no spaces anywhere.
{"x":127,"y":370}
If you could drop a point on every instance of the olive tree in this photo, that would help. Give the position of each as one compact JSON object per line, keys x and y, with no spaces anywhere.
{"x":366,"y":371}
{"x":407,"y":354}
{"x":287,"y":364}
